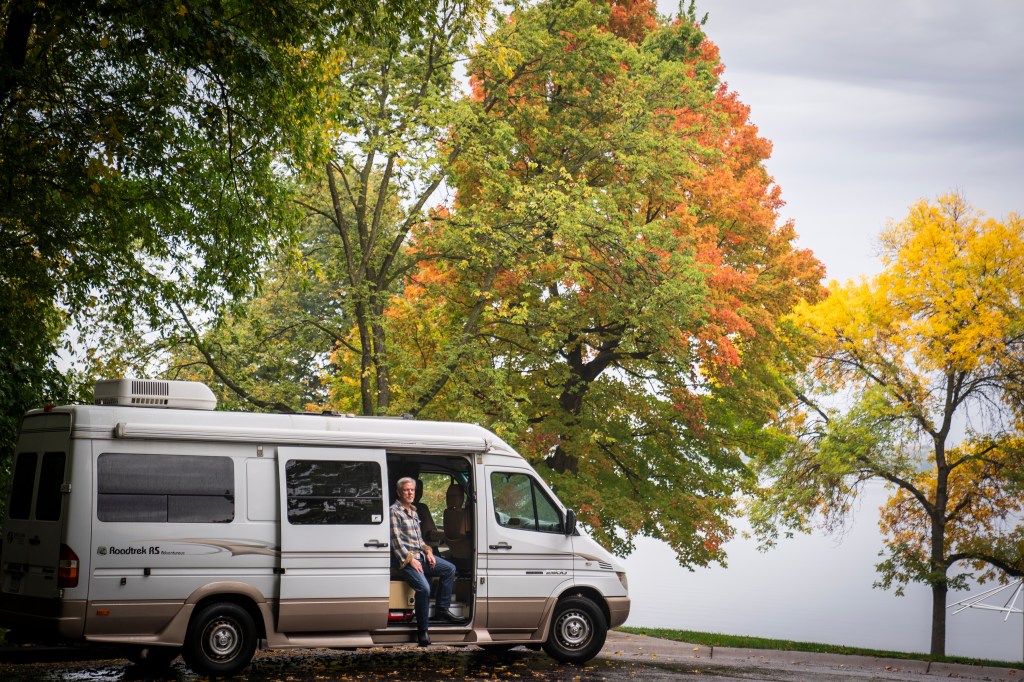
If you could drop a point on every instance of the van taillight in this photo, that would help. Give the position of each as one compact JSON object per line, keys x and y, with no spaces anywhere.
{"x":67,"y":568}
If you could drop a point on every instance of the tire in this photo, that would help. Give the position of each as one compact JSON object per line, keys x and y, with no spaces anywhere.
{"x":578,"y":631}
{"x":151,"y":657}
{"x":221,"y":640}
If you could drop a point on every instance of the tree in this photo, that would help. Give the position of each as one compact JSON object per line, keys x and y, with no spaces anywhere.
{"x":141,"y":149}
{"x":135,"y":158}
{"x":385,"y":104}
{"x":930,"y":346}
{"x":395,"y":98}
{"x":606,"y":290}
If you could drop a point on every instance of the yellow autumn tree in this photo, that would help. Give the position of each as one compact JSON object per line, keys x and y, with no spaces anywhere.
{"x":916,"y":382}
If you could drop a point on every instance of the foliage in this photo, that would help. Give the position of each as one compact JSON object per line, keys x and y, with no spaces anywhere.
{"x":933,"y":341}
{"x":271,"y":351}
{"x":134,"y":160}
{"x":142,"y":145}
{"x":395,"y":98}
{"x":384,"y":101}
{"x":606,"y":289}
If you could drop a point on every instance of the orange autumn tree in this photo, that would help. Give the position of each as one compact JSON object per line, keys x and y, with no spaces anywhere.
{"x":929,"y":355}
{"x":607,"y":289}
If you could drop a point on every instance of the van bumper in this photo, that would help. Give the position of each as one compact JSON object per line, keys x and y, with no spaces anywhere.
{"x":42,"y":620}
{"x":618,"y":611}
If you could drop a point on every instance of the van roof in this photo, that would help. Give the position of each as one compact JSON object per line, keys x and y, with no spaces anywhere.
{"x":411,"y":435}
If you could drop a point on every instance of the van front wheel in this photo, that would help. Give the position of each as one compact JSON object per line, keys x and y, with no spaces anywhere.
{"x":578,"y":631}
{"x":221,"y":640}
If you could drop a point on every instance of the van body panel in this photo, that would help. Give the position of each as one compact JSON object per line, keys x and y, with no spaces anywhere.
{"x":334,"y":540}
{"x":618,"y":610}
{"x":516,"y":618}
{"x":135,"y":617}
{"x":169,"y":511}
{"x":528,"y":557}
{"x":332,"y":615}
{"x":46,"y":620}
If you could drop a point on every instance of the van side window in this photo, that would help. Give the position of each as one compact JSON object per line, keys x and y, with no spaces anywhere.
{"x":165,"y":488}
{"x":22,"y":485}
{"x":51,"y":478}
{"x":334,"y":493}
{"x":520,"y":502}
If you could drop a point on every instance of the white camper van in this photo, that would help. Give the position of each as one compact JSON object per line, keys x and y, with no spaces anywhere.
{"x":153,"y":522}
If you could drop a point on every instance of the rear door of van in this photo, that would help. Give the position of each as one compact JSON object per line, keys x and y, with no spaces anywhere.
{"x":35,"y":514}
{"x":335,"y":562}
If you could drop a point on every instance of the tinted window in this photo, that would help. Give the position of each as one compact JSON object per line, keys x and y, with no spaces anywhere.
{"x":520,"y":502}
{"x":165,"y":488}
{"x":51,"y":478}
{"x":322,"y":492}
{"x":22,"y":485}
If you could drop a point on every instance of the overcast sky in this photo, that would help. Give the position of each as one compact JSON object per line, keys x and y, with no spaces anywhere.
{"x":872,"y":105}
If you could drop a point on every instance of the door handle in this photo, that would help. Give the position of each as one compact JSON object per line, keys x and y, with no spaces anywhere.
{"x":501,"y":545}
{"x":376,"y":543}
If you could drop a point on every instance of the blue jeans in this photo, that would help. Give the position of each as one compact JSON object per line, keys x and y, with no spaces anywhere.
{"x":420,"y":583}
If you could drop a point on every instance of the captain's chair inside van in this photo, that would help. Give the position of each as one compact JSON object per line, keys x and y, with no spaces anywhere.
{"x":457,"y":528}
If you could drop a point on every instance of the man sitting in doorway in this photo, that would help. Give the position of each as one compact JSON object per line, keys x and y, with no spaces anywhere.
{"x":417,"y":562}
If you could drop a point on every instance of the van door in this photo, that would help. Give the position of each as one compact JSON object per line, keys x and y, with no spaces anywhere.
{"x":35,"y":515}
{"x":334,"y":540}
{"x":528,"y":557}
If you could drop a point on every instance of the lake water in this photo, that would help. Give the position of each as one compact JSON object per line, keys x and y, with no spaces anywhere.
{"x":813,"y":588}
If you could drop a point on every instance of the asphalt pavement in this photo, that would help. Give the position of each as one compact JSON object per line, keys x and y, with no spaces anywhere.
{"x":625,"y":657}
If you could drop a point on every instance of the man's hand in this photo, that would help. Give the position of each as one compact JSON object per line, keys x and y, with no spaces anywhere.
{"x":430,"y":559}
{"x":417,"y":566}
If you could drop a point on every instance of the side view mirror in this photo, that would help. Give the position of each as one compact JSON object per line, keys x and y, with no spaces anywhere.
{"x":570,"y":522}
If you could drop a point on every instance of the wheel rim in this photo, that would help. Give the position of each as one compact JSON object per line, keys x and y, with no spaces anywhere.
{"x":573,"y":629}
{"x":222,"y":639}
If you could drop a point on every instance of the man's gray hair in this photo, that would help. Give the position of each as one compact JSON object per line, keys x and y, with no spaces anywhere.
{"x":402,"y":481}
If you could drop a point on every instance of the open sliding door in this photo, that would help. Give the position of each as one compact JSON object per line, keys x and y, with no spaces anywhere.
{"x":334,"y":540}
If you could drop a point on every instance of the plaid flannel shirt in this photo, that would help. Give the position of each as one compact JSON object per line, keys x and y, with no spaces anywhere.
{"x":406,"y":538}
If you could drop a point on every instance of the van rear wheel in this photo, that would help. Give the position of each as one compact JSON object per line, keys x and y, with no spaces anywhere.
{"x":578,"y":631}
{"x":221,"y":640}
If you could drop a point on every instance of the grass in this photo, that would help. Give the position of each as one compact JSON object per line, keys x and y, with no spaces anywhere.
{"x":744,"y":642}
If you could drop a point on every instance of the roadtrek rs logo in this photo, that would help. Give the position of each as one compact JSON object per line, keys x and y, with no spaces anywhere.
{"x":127,"y":551}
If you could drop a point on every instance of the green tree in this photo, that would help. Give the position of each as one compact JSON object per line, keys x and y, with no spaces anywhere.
{"x":141,"y":149}
{"x":607,"y":288}
{"x":934,"y":340}
{"x":383,"y":113}
{"x":270,"y":351}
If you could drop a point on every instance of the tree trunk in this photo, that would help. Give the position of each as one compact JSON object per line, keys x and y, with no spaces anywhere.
{"x":366,"y":383}
{"x":380,"y":365}
{"x":939,"y":567}
{"x":939,"y":591}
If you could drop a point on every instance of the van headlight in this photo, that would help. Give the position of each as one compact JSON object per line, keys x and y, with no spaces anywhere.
{"x":623,"y":580}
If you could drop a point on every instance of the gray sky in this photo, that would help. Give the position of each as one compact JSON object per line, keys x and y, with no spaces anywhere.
{"x":872,"y":105}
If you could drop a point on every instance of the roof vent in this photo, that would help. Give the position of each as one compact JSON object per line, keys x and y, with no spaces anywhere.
{"x":182,"y":395}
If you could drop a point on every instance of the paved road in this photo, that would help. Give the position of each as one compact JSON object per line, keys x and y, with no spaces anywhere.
{"x":625,"y":658}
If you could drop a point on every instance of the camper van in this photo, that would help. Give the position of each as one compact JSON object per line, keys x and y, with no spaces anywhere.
{"x":153,"y":522}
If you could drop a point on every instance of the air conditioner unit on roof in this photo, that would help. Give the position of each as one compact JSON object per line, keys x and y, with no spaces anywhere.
{"x":182,"y":395}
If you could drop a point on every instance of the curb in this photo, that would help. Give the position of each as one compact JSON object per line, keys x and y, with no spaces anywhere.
{"x":643,"y":647}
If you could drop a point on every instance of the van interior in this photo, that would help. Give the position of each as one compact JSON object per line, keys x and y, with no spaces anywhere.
{"x":445,"y":502}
